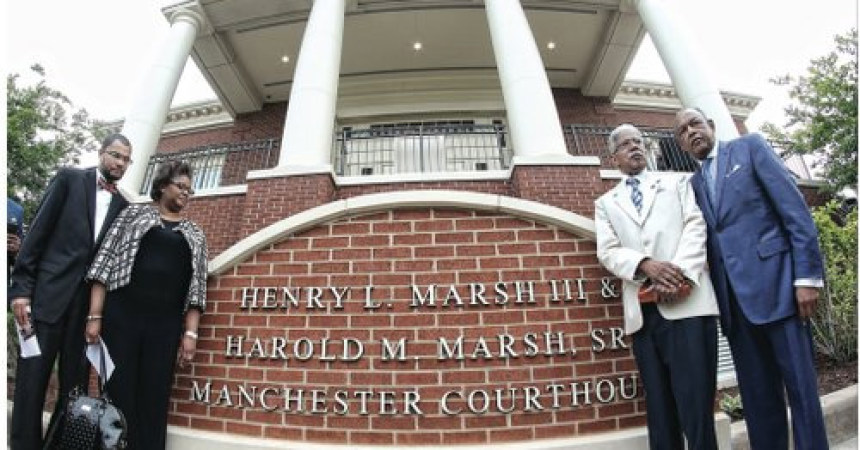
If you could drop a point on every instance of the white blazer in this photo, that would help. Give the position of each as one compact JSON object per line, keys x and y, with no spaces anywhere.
{"x":670,"y":228}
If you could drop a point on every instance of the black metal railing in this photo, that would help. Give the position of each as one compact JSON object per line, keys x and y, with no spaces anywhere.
{"x":421,"y":148}
{"x":426,"y":147}
{"x":663,"y":152}
{"x":219,"y":165}
{"x":457,"y":147}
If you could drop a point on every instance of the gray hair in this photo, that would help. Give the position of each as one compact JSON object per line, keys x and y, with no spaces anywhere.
{"x":613,"y":136}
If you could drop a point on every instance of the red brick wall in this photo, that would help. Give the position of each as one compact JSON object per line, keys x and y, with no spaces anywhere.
{"x":272,"y":199}
{"x":573,"y":188}
{"x":392,"y":250}
{"x":227,"y":219}
{"x":268,"y":123}
{"x":220,"y":219}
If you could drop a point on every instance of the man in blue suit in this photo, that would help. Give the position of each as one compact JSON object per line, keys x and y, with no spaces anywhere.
{"x":766,"y":268}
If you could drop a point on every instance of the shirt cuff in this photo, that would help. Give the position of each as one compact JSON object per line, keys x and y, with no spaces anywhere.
{"x":809,"y":282}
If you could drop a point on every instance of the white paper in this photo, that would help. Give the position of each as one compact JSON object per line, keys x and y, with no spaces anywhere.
{"x":94,"y":356}
{"x":29,"y":345}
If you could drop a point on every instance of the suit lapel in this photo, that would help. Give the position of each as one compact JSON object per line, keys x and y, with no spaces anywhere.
{"x":90,"y":189}
{"x":649,"y":192}
{"x":723,"y":159}
{"x":621,"y":196}
{"x":705,"y":201}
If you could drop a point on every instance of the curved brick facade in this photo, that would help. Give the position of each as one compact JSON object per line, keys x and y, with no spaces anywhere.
{"x":393,"y":250}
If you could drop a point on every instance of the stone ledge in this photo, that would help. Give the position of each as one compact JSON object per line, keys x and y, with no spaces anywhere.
{"x":840,"y":415}
{"x":631,"y":439}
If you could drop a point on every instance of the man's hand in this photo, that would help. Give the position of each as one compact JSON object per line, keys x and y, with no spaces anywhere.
{"x":807,"y":299}
{"x":13,"y":243}
{"x":666,"y":294}
{"x":666,"y":276}
{"x":20,"y":307}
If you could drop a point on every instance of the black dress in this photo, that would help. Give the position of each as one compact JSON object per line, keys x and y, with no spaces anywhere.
{"x":142,"y":329}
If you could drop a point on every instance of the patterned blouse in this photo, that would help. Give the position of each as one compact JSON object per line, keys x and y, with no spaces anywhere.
{"x":115,"y":259}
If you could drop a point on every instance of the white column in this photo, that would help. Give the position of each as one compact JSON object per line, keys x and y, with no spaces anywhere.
{"x":532,"y":115}
{"x":148,"y":112}
{"x":309,"y":125}
{"x":689,"y":72}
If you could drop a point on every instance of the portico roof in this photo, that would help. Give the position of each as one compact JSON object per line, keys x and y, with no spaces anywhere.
{"x":242,"y":46}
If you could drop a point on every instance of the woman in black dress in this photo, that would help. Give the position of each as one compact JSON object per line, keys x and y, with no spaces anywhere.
{"x":149,"y":290}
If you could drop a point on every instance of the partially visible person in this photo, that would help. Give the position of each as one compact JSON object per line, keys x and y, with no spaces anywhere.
{"x":149,"y":290}
{"x":14,"y":231}
{"x":47,"y":292}
{"x":766,"y":265}
{"x":650,"y":231}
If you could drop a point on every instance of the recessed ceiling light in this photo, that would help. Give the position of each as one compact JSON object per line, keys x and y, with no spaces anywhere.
{"x":285,"y":59}
{"x":417,"y":46}
{"x":550,"y":45}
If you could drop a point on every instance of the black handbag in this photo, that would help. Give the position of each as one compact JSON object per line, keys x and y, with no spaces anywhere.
{"x":89,"y":422}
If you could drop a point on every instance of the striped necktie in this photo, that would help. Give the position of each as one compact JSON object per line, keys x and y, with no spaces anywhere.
{"x":635,"y":193}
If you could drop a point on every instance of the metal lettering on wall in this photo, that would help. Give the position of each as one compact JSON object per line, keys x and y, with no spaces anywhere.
{"x":409,"y":402}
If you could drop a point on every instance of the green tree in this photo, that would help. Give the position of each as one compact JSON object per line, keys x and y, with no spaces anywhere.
{"x":822,"y":119}
{"x":43,"y":132}
{"x":835,"y":321}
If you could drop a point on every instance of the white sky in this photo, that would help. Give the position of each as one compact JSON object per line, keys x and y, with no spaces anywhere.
{"x":93,"y":50}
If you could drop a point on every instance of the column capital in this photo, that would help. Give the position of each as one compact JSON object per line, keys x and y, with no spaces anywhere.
{"x":193,"y":14}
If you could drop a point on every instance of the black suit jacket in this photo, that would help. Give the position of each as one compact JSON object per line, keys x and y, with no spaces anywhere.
{"x":59,"y":247}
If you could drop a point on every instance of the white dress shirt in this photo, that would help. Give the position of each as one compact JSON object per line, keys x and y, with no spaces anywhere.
{"x":103,"y":198}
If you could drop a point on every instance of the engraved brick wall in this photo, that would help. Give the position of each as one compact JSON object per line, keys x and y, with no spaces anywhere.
{"x":459,"y":251}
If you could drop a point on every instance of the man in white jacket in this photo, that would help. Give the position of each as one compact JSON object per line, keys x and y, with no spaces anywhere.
{"x":650,"y":232}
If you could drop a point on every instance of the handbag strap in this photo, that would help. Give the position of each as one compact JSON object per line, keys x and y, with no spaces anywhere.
{"x":102,"y":373}
{"x":85,"y":372}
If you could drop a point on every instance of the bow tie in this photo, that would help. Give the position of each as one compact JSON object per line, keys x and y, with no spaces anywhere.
{"x":106,"y":185}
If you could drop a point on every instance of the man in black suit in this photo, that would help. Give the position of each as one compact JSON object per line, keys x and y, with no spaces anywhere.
{"x":47,"y":293}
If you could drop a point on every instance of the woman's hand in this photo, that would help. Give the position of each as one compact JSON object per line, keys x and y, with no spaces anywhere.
{"x":94,"y":329}
{"x":187,"y":350}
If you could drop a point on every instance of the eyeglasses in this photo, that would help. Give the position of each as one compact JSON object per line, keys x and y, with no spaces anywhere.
{"x":183,"y":187}
{"x":119,"y":156}
{"x":627,"y":144}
